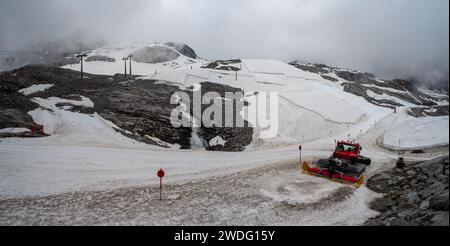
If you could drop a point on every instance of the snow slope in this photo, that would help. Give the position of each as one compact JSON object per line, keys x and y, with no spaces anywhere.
{"x":71,"y":128}
{"x":311,"y":107}
{"x":411,"y":133}
{"x":319,"y":101}
{"x":329,"y":106}
{"x":138,"y":68}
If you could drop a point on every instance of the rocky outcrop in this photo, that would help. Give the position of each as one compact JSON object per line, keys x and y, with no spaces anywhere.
{"x":14,"y":105}
{"x":361,"y":91}
{"x":140,"y":108}
{"x":225,"y":65}
{"x":362,"y":84}
{"x":10,"y":118}
{"x":183,"y":49}
{"x":440,"y":110}
{"x":329,"y":78}
{"x":236,"y":138}
{"x":313,"y":68}
{"x":416,"y":195}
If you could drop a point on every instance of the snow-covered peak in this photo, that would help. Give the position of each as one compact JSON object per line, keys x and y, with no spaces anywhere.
{"x":169,"y":51}
{"x":145,"y":59}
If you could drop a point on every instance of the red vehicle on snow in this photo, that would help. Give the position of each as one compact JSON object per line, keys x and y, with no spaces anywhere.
{"x":346,"y":164}
{"x":350,"y":151}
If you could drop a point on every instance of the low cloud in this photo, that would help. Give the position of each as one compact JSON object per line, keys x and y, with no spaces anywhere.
{"x":391,"y":38}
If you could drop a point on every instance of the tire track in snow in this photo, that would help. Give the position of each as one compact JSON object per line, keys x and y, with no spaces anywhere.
{"x":233,"y":199}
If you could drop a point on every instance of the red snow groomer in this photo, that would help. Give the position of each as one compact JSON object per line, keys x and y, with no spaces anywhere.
{"x":345,"y":165}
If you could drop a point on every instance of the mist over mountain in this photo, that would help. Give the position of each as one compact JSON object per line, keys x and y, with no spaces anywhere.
{"x":392,"y":39}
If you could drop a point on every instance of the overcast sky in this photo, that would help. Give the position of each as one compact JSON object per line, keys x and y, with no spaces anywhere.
{"x":391,"y":38}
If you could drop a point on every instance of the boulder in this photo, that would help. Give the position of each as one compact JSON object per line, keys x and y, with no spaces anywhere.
{"x":422,"y":200}
{"x":440,"y":202}
{"x":15,"y":118}
{"x":440,"y":219}
{"x":382,"y":204}
{"x":424,"y":205}
{"x":411,"y":173}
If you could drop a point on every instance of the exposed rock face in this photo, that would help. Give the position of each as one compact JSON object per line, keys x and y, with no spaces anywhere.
{"x":183,"y":49}
{"x":361,"y":91}
{"x":313,"y":68}
{"x":154,"y":54}
{"x":363,"y":84}
{"x":329,"y":78}
{"x":417,"y":195}
{"x":14,"y":118}
{"x":428,"y":111}
{"x":14,"y":105}
{"x":236,"y":138}
{"x":226,"y":65}
{"x":141,"y":108}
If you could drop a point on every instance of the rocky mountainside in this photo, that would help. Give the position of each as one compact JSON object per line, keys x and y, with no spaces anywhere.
{"x":416,"y":195}
{"x":183,"y":49}
{"x":140,"y":108}
{"x":384,"y":93}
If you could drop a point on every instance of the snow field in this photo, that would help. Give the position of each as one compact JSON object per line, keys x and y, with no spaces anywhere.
{"x":412,"y":133}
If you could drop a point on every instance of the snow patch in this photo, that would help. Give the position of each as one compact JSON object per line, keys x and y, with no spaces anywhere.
{"x":162,"y":143}
{"x":14,"y":130}
{"x":217,"y":141}
{"x":72,"y":128}
{"x":417,"y":133}
{"x":50,"y":103}
{"x":35,"y":88}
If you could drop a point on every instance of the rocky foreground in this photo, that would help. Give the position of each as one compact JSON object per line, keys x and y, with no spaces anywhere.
{"x":416,"y":195}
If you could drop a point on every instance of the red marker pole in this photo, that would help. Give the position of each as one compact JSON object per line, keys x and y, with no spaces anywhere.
{"x":160,"y":174}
